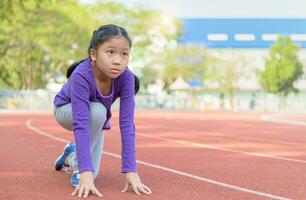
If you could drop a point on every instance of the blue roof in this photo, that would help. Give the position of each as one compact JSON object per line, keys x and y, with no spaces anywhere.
{"x":203,"y":31}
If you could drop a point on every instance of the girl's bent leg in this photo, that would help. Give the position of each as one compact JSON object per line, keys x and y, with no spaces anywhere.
{"x":63,"y":116}
{"x":97,"y":119}
{"x":97,"y":154}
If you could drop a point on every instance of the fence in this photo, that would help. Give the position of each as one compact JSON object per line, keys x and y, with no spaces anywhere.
{"x":243,"y":101}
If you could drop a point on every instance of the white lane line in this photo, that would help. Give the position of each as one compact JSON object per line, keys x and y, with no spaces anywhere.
{"x":28,"y":123}
{"x":218,"y":135}
{"x":269,"y":141}
{"x":226,"y":185}
{"x":271,"y":118}
{"x":201,"y":145}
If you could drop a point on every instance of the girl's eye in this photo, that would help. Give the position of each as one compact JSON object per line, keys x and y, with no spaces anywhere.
{"x":125,"y":54}
{"x":110,"y":51}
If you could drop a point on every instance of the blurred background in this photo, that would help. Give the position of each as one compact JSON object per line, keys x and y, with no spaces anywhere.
{"x":201,"y":55}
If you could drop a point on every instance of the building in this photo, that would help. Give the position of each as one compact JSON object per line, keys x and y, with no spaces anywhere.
{"x":247,"y":38}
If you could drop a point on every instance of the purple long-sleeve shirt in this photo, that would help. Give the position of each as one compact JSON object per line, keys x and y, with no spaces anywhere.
{"x":79,"y":90}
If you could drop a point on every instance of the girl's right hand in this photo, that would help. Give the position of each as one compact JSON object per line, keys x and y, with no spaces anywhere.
{"x":86,"y":185}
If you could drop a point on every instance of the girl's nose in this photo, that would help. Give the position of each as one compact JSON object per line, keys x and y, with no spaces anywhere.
{"x":116,"y":62}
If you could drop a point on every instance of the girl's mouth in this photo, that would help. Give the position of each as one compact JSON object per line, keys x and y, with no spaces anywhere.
{"x":114,"y":71}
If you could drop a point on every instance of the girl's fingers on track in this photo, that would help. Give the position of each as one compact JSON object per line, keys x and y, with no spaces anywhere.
{"x":126,"y":186}
{"x":141,"y":188}
{"x":75,"y":190}
{"x":81,"y":191}
{"x":96,"y":192}
{"x":145,"y":189}
{"x":136,"y":190}
{"x":86,"y":193}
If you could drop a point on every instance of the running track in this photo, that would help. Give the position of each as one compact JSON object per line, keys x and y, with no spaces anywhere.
{"x":181,"y":155}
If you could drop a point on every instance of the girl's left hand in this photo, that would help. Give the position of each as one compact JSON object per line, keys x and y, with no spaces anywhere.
{"x":133,"y":179}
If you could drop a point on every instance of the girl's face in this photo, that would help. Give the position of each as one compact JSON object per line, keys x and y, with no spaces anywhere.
{"x":111,"y":58}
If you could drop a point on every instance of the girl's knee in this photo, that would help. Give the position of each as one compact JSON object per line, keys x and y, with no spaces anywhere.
{"x":63,"y":116}
{"x":97,"y":112}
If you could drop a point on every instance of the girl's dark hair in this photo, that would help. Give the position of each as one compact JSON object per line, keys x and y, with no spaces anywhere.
{"x":137,"y":84}
{"x":102,"y":34}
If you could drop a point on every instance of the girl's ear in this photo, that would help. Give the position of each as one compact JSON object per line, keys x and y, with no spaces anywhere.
{"x":93,"y":54}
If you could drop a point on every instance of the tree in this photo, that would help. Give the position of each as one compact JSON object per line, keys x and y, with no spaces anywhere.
{"x":36,"y":41}
{"x":39,"y":39}
{"x":187,"y":61}
{"x":282,"y":69}
{"x":9,"y":8}
{"x":226,"y":73}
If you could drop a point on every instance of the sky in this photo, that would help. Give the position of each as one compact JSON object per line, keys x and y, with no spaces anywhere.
{"x":222,"y":8}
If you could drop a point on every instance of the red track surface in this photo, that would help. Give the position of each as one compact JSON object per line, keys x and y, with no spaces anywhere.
{"x":187,"y":155}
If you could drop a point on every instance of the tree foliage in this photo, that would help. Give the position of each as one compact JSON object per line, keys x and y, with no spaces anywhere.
{"x":282,"y":68}
{"x":39,"y":39}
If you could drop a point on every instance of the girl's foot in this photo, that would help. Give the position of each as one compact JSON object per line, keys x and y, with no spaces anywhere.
{"x":75,"y":178}
{"x":60,"y":161}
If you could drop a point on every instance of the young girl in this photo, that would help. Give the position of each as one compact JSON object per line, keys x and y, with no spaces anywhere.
{"x":83,"y":106}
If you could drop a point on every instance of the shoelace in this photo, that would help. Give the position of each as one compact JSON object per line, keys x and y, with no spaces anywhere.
{"x":72,"y":160}
{"x":68,"y":170}
{"x":72,"y":164}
